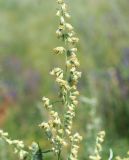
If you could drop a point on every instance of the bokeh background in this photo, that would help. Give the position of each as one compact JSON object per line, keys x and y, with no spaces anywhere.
{"x":27,"y":37}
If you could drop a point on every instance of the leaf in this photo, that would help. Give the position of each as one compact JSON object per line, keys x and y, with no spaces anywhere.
{"x":38,"y":155}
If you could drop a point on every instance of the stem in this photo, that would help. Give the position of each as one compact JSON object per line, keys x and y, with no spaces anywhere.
{"x":47,"y":151}
{"x":58,"y":101}
{"x":59,"y":154}
{"x":66,"y":68}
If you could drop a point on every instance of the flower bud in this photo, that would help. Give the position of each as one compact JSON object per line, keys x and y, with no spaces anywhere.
{"x":59,"y":50}
{"x":60,"y":1}
{"x":69,"y":26}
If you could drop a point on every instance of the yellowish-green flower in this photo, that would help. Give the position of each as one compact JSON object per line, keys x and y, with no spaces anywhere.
{"x":59,"y":50}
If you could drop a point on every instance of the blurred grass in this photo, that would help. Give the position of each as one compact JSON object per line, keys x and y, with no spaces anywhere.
{"x":27,"y":36}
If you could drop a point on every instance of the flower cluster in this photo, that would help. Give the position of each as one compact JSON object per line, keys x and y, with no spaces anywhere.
{"x":58,"y":73}
{"x":119,"y":158}
{"x":59,"y":50}
{"x":75,"y":139}
{"x":98,"y":147}
{"x":65,"y":32}
{"x":53,"y":127}
{"x":18,"y":145}
{"x":68,"y":85}
{"x":59,"y":127}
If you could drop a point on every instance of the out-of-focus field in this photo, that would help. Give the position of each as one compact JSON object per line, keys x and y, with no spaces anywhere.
{"x":27,"y":37}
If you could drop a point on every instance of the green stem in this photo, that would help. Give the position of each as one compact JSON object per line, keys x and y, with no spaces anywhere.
{"x":47,"y":151}
{"x":66,"y":68}
{"x":58,"y":101}
{"x":59,"y":155}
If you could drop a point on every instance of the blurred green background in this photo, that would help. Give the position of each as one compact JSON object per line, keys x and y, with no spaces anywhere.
{"x":27,"y":37}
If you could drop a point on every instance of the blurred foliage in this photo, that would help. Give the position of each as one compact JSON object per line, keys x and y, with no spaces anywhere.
{"x":27,"y":36}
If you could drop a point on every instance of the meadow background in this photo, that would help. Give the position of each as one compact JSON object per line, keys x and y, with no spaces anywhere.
{"x":27,"y":37}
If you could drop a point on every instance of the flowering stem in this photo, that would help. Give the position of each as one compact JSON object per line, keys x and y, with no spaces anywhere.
{"x":59,"y":127}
